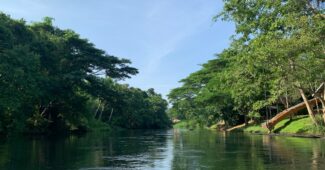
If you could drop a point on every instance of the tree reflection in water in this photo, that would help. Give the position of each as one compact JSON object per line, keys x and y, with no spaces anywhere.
{"x":162,"y":149}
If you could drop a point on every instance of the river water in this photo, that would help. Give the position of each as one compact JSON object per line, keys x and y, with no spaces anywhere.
{"x":161,"y":149}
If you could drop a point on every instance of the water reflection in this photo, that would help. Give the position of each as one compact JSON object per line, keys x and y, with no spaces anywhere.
{"x":211,"y":150}
{"x":171,"y":149}
{"x":132,"y":149}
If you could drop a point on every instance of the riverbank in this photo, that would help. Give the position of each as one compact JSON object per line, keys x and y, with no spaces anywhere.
{"x":299,"y":126}
{"x":186,"y":124}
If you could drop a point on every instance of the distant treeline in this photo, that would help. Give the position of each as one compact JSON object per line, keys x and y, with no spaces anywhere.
{"x":276,"y":58}
{"x":53,"y":80}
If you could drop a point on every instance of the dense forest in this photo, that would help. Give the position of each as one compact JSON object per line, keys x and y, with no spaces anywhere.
{"x":52,"y":80}
{"x":276,"y":60}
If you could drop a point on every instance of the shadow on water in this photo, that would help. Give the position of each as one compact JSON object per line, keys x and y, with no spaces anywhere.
{"x":130,"y":149}
{"x":164,"y":149}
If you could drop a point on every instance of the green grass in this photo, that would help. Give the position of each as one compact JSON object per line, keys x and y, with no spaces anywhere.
{"x":215,"y":126}
{"x":181,"y":124}
{"x":298,"y":125}
{"x":186,"y":124}
{"x":301,"y":125}
{"x":255,"y":129}
{"x":96,"y":125}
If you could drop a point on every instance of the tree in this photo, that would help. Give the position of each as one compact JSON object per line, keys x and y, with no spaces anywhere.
{"x":285,"y":36}
{"x":276,"y":58}
{"x":52,"y":78}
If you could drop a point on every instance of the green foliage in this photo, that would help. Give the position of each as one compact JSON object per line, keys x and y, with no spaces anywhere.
{"x":139,"y":109}
{"x":186,"y":124}
{"x":181,"y":124}
{"x":52,"y":80}
{"x":278,"y":48}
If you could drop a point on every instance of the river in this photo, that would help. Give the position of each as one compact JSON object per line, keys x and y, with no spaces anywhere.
{"x":161,"y":149}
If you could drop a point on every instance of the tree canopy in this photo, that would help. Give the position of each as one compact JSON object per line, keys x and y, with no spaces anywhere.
{"x":52,"y":79}
{"x":275,"y":58}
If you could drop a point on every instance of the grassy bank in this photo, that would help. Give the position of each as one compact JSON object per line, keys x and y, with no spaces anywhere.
{"x":298,"y":126}
{"x":186,"y":124}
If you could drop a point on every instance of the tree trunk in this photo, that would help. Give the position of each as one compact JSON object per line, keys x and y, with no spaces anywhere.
{"x":323,"y":112}
{"x":323,"y":104}
{"x":46,"y":108}
{"x":110,"y":116}
{"x":246,"y":120}
{"x":95,"y":115}
{"x":287,"y":100}
{"x":323,"y":107}
{"x":287,"y":104}
{"x":309,"y":109}
{"x":101,"y":112}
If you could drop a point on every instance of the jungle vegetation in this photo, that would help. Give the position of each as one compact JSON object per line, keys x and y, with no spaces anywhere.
{"x":276,"y":60}
{"x":52,"y":80}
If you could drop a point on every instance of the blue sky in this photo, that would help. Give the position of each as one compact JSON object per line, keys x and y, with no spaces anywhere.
{"x":165,"y":39}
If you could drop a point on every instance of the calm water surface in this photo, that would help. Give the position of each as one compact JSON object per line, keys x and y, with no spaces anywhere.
{"x":170,"y":149}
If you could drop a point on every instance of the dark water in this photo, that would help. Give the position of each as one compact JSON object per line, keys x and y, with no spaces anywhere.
{"x":171,"y":149}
